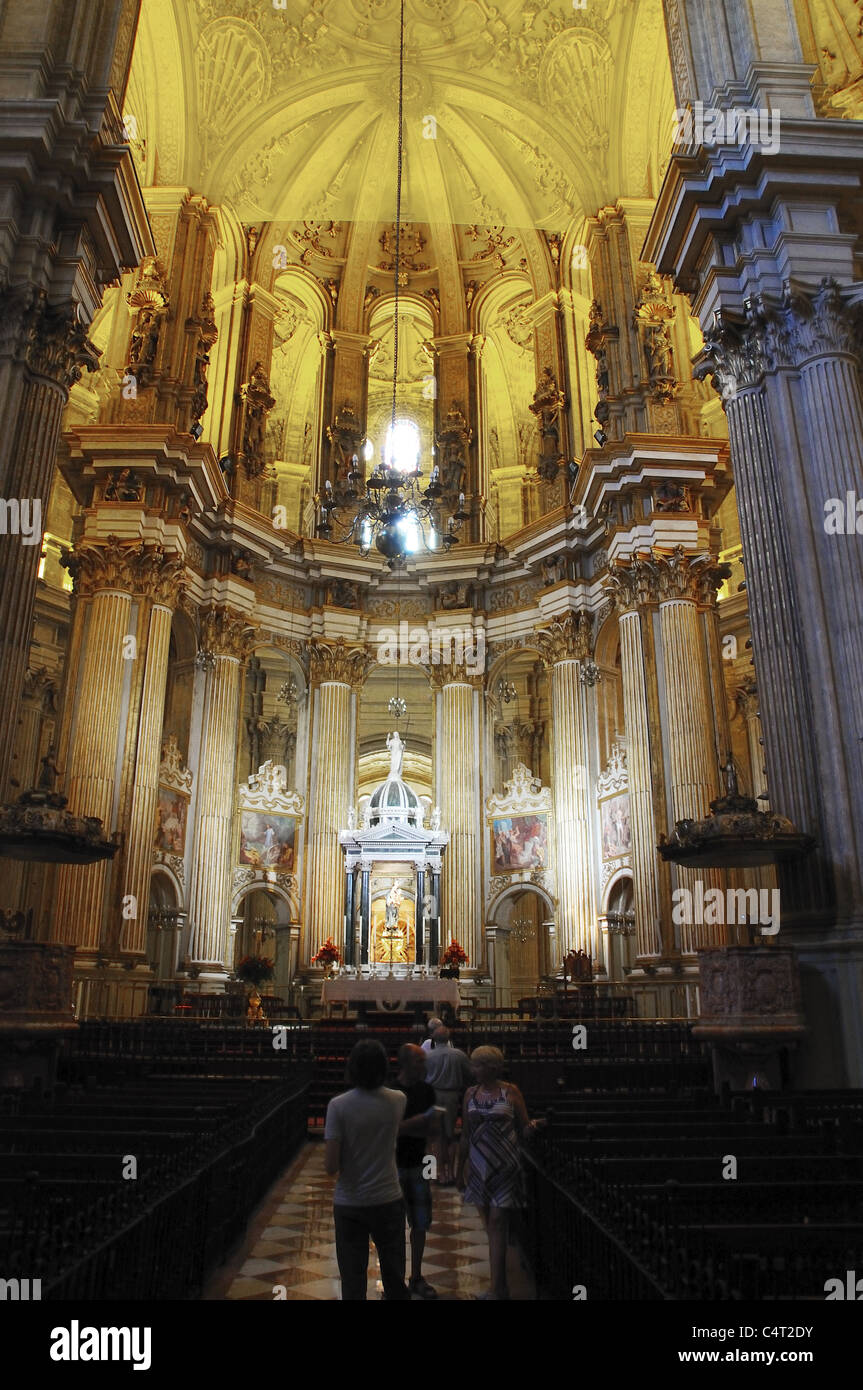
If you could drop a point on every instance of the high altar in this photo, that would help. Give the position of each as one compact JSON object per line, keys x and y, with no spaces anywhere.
{"x":392,"y":877}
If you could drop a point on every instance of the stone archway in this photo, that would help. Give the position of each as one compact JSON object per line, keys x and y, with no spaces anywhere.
{"x":165,"y":927}
{"x":261,"y":925}
{"x":521,"y":942}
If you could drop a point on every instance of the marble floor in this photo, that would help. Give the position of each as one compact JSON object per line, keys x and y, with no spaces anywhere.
{"x":290,"y":1243}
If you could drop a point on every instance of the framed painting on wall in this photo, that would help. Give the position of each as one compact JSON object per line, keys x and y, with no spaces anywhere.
{"x":616,"y":828}
{"x":267,"y":840}
{"x":519,"y":842}
{"x":172,"y":810}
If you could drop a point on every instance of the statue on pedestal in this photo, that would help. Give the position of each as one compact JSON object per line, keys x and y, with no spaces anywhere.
{"x":396,"y":750}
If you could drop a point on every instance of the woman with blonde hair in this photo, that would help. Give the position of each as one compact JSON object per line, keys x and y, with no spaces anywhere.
{"x":494,"y":1121}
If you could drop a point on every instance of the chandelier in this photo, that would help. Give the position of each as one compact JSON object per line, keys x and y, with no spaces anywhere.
{"x":391,"y":510}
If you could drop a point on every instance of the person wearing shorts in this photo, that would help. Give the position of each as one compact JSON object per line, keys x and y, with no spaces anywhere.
{"x":420,"y":1118}
{"x":448,"y":1070}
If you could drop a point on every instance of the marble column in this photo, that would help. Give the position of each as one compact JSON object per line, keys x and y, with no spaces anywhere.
{"x":163,"y":588}
{"x":564,"y":644}
{"x":458,"y":794}
{"x":52,"y":349}
{"x":689,"y":727}
{"x":337,"y":673}
{"x":223,"y":647}
{"x":91,"y":733}
{"x":645,"y":860}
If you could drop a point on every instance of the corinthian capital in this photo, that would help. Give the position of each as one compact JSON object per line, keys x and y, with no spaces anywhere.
{"x":148,"y":571}
{"x":569,"y":638}
{"x":339,"y":663}
{"x":224,"y":632}
{"x":453,"y":672}
{"x":159,"y":575}
{"x":640,"y":581}
{"x":682,"y":576}
{"x":51,"y":341}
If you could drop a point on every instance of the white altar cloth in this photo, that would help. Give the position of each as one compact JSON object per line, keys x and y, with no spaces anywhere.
{"x":388,"y":992}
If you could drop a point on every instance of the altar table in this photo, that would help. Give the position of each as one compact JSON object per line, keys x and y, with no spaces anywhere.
{"x":389,"y":993}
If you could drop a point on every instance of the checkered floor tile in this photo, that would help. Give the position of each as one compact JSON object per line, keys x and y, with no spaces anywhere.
{"x":290,"y":1244}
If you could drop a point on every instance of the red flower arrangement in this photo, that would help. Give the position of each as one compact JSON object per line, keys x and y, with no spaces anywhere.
{"x":328,"y":954}
{"x":453,"y":955}
{"x":255,"y":969}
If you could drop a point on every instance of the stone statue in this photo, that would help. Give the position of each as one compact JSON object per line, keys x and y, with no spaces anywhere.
{"x":352,"y":818}
{"x":435,"y":818}
{"x":397,"y":753}
{"x":50,"y":772}
{"x":729,"y":772}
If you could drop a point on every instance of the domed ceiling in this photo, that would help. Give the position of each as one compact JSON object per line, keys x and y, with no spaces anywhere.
{"x":516,"y":115}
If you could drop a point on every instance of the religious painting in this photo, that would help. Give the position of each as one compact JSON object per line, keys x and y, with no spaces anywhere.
{"x":519,"y":842}
{"x":393,"y":934}
{"x":172,"y":809}
{"x":616,"y":828}
{"x":267,"y":840}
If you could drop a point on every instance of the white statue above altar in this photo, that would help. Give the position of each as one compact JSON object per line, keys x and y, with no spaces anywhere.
{"x":393,"y":901}
{"x":396,"y":750}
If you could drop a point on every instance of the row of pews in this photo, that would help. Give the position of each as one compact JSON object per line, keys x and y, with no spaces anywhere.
{"x":140,"y":1189}
{"x":681,"y":1197}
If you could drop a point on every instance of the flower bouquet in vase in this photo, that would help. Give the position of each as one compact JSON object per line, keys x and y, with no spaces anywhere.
{"x":451,"y":961}
{"x":328,"y":956}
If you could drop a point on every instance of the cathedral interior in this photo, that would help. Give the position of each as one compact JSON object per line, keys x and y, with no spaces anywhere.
{"x":430,"y":517}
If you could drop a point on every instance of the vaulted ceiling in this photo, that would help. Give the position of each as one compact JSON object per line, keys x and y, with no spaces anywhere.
{"x":518,"y":115}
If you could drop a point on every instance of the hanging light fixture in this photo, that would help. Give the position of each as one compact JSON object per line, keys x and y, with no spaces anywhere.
{"x":392,"y":511}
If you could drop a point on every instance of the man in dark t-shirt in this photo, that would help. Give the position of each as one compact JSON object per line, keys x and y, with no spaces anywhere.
{"x":420,"y":1119}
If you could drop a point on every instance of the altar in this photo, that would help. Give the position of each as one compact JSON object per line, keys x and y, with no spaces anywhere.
{"x":390,"y":992}
{"x":392,"y":879}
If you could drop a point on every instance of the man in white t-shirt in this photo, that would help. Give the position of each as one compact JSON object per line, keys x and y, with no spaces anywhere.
{"x":361,"y":1130}
{"x":432,"y":1025}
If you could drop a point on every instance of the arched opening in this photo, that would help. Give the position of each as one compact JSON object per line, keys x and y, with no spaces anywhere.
{"x":164,"y":934}
{"x":619,"y":924}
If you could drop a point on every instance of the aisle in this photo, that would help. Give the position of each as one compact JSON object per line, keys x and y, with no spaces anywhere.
{"x":290,"y":1243}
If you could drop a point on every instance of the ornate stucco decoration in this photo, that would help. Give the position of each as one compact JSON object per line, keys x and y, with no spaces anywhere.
{"x":224,"y":633}
{"x":653,"y":316}
{"x":338,"y":663}
{"x":267,"y":790}
{"x":207,"y":335}
{"x":523,"y":795}
{"x":149,"y":302}
{"x":345,"y":435}
{"x":615,"y":776}
{"x":453,"y":441}
{"x":412,"y":243}
{"x":599,"y":334}
{"x":569,"y":638}
{"x":51,"y":340}
{"x":149,"y":571}
{"x":665,"y":576}
{"x":256,"y":404}
{"x":784,"y":332}
{"x":547,"y":404}
{"x":173,"y":772}
{"x":453,"y":672}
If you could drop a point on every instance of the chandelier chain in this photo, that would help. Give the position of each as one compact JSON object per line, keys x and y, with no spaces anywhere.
{"x":398,"y":213}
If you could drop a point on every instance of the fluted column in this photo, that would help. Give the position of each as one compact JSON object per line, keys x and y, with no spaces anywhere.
{"x":165,"y":587}
{"x":52,"y":349}
{"x":337,"y":671}
{"x":564,"y":644}
{"x":91,"y":717}
{"x":459,"y":798}
{"x":223,"y":649}
{"x":690,"y":732}
{"x":645,"y":860}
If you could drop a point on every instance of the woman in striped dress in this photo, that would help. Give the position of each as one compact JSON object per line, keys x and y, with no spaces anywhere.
{"x":494,"y":1121}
